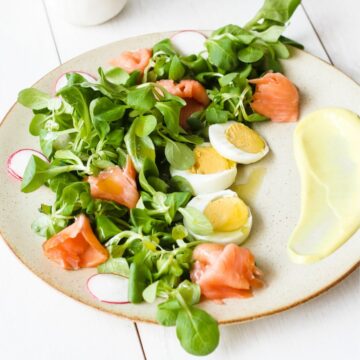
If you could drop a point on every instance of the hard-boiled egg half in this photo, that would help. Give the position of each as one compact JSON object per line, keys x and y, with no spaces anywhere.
{"x":229,"y":216}
{"x":211,"y":172}
{"x":237,"y":142}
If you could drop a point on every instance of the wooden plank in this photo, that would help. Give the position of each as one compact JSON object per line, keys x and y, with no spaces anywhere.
{"x":337,"y":24}
{"x":37,"y":322}
{"x":321,"y":329}
{"x":27,"y":48}
{"x":143,"y":16}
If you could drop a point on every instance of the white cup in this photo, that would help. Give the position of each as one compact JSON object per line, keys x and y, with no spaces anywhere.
{"x":90,"y":12}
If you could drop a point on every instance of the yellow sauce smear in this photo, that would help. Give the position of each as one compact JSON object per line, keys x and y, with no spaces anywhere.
{"x":327,"y":152}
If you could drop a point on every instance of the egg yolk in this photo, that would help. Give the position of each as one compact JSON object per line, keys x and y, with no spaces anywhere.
{"x":209,"y":161}
{"x":227,"y":213}
{"x":244,"y":138}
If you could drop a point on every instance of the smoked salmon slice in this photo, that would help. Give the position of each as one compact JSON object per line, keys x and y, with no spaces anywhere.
{"x":187,"y":89}
{"x":225,"y":271}
{"x":275,"y":97}
{"x":191,"y":107}
{"x":133,"y":60}
{"x":76,"y":246}
{"x":192,"y":92}
{"x":116,"y":184}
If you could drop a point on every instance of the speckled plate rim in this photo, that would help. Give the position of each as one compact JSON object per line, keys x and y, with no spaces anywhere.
{"x":345,"y":274}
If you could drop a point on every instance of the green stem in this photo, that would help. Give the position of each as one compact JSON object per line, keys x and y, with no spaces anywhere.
{"x":123,"y":223}
{"x":164,"y":266}
{"x":183,"y":304}
{"x":61,"y":169}
{"x":158,"y":212}
{"x":240,"y":104}
{"x":124,"y":234}
{"x":253,"y":21}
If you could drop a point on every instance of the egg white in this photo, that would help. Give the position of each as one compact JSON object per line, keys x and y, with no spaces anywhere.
{"x":237,"y":236}
{"x":207,"y":183}
{"x":229,"y":151}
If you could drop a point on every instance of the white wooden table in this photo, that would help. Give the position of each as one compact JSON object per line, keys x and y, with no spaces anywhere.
{"x":36,"y":321}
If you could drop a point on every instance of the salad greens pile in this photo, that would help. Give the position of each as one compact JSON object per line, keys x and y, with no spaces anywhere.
{"x":90,"y":126}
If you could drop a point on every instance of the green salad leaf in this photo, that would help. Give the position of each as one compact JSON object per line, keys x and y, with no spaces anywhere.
{"x":145,"y":125}
{"x":196,"y":221}
{"x":179,"y":155}
{"x":176,"y":70}
{"x":117,"y":266}
{"x":275,"y":10}
{"x":139,"y":278}
{"x":222,"y":53}
{"x":139,"y":148}
{"x":75,"y":97}
{"x":34,"y":99}
{"x":197,"y":331}
{"x":141,"y":98}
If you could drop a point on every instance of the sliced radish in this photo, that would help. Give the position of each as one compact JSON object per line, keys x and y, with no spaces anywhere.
{"x":188,"y":42}
{"x":62,"y":80}
{"x":109,"y":288}
{"x":17,"y":161}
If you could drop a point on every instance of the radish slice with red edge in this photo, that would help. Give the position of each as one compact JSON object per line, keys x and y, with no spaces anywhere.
{"x":62,"y":80}
{"x":109,"y":288}
{"x":17,"y":161}
{"x":188,"y":42}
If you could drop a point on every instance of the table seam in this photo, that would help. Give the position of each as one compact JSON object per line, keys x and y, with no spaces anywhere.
{"x":317,"y":34}
{"x":51,"y":31}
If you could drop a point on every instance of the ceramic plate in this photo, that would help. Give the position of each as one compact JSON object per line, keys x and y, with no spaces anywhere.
{"x":274,"y":199}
